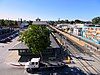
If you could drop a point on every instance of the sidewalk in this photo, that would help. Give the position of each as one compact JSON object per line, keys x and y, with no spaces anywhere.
{"x":13,"y":58}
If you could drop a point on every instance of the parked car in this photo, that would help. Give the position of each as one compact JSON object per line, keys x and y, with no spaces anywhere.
{"x":17,"y":33}
{"x":8,"y":39}
{"x":11,"y":36}
{"x":3,"y":41}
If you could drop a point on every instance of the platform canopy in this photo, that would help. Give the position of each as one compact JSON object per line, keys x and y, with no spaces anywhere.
{"x":22,"y":46}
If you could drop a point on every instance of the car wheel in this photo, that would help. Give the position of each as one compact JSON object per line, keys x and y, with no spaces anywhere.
{"x":28,"y":70}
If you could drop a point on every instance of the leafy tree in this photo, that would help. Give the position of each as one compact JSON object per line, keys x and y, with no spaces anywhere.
{"x":15,"y":23}
{"x":62,"y":21}
{"x":8,"y":23}
{"x":96,"y":20}
{"x":78,"y":21}
{"x":2,"y":22}
{"x":11,"y":23}
{"x":36,"y":38}
{"x":72,"y":22}
{"x":66,"y":21}
{"x":51,"y":22}
{"x":30,"y":22}
{"x":58,"y":22}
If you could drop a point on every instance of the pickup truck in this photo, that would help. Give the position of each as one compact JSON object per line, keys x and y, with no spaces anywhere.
{"x":35,"y":65}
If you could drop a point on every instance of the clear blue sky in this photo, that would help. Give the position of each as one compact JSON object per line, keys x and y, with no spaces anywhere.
{"x":49,"y":9}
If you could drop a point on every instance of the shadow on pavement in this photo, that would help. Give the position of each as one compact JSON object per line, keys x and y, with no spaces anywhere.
{"x":62,"y":71}
{"x":59,"y":71}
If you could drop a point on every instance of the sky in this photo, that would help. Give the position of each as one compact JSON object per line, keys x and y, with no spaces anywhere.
{"x":84,"y":10}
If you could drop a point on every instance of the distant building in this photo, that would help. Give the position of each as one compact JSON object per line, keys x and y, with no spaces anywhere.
{"x":39,"y":22}
{"x":62,"y":26}
{"x":77,"y":29}
{"x":92,"y":33}
{"x":24,"y":24}
{"x":73,"y":28}
{"x":19,"y":21}
{"x":38,"y":19}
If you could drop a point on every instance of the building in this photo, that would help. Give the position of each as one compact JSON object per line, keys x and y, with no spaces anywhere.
{"x":39,"y":22}
{"x":71,"y":28}
{"x":92,"y":33}
{"x":62,"y":26}
{"x":77,"y":29}
{"x":23,"y":50}
{"x":24,"y":24}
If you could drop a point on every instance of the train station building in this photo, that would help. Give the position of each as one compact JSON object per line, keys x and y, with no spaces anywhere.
{"x":54,"y":50}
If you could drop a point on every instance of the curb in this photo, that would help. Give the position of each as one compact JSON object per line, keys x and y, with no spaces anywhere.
{"x":17,"y":64}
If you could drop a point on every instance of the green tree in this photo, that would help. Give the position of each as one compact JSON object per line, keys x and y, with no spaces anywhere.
{"x":2,"y":22}
{"x":51,"y":22}
{"x":72,"y":22}
{"x":96,"y":20}
{"x":15,"y":23}
{"x":78,"y":21}
{"x":36,"y":38}
{"x":62,"y":21}
{"x":6,"y":22}
{"x":66,"y":21}
{"x":11,"y":23}
{"x":30,"y":22}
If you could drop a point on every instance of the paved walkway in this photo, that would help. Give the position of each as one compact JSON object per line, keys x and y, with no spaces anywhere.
{"x":13,"y":57}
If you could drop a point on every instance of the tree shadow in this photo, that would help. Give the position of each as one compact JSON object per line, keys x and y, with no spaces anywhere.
{"x":62,"y":71}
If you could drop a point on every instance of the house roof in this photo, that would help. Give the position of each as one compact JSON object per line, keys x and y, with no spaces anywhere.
{"x":40,"y":22}
{"x":19,"y":46}
{"x":22,"y":46}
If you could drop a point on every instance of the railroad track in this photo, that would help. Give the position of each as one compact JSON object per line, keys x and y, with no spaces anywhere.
{"x":88,"y":67}
{"x":81,"y":50}
{"x":94,"y":56}
{"x":88,"y":64}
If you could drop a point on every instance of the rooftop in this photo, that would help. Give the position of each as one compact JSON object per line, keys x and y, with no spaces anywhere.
{"x":40,"y":22}
{"x":22,"y":46}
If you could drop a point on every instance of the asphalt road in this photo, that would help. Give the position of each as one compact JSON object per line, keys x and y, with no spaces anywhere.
{"x":6,"y":69}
